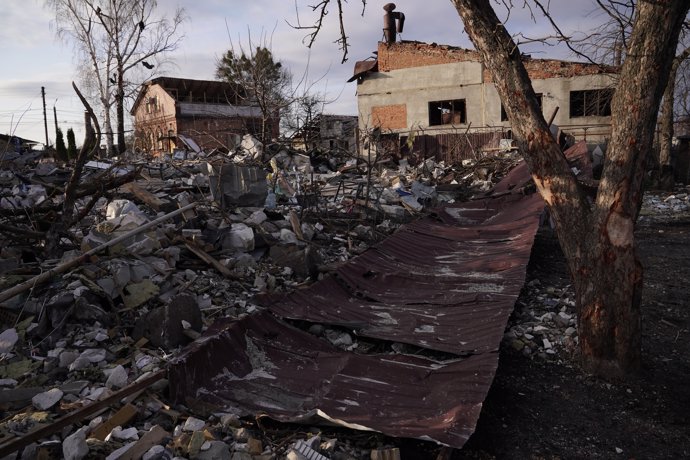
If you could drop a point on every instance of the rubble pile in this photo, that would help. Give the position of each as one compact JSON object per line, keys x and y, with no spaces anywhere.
{"x":158,"y":252}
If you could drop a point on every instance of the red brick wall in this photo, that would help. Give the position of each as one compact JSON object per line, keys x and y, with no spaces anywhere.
{"x":403,"y":55}
{"x":389,"y":116}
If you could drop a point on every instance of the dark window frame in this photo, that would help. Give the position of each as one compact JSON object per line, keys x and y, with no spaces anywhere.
{"x":451,"y":111}
{"x":591,"y":103}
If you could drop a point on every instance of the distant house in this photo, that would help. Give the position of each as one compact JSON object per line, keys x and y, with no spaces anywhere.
{"x":328,"y":132}
{"x":169,"y":111}
{"x":16,"y":144}
{"x":438,"y":90}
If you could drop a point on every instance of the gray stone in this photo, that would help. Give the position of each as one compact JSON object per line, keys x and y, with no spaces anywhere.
{"x":117,"y":377}
{"x":126,"y":434}
{"x":93,"y":355}
{"x":74,"y":446}
{"x":163,"y":326}
{"x":8,"y":339}
{"x":288,"y":236}
{"x":47,"y":399}
{"x":75,"y":387}
{"x":217,"y":450}
{"x":303,"y":262}
{"x":193,"y":424}
{"x":79,"y":363}
{"x":240,"y":237}
{"x":339,"y":339}
{"x":257,"y":218}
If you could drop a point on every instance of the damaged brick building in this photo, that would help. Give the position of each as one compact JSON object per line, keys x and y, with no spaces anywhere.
{"x":212,"y":113}
{"x":436,"y":90}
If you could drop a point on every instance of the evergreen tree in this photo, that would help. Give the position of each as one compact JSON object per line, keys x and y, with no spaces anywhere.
{"x":71,"y":144}
{"x":261,"y":80}
{"x":60,"y":145}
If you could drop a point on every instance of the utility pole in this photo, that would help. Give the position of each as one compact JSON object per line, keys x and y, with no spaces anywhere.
{"x":56,"y":124}
{"x":45,"y":117}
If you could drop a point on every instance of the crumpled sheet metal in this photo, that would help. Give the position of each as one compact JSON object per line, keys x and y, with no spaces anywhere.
{"x":261,"y":365}
{"x":446,"y":283}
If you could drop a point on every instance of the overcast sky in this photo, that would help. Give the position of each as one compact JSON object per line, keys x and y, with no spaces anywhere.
{"x":33,"y":57}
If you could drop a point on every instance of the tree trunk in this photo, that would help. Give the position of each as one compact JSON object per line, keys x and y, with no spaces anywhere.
{"x":597,"y":238}
{"x":666,"y":179}
{"x":108,"y":127}
{"x":120,"y":109}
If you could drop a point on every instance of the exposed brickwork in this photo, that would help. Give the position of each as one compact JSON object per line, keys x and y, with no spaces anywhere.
{"x":541,"y":69}
{"x":403,"y":55}
{"x":389,"y":116}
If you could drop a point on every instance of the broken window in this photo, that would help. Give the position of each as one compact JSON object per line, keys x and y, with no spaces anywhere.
{"x":152,"y":104}
{"x":504,"y":115}
{"x":591,"y":103}
{"x":447,"y":112}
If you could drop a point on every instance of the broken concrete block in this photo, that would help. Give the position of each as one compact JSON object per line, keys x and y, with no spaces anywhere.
{"x":217,"y":450}
{"x":339,"y":339}
{"x":93,"y":355}
{"x":163,"y":326}
{"x":137,"y":294}
{"x":74,"y":446}
{"x":240,"y":238}
{"x":117,"y":377}
{"x":193,"y":424}
{"x":127,"y":434}
{"x":8,"y":339}
{"x":256,"y":218}
{"x":303,"y":262}
{"x":117,"y":208}
{"x":47,"y":399}
{"x":288,"y":236}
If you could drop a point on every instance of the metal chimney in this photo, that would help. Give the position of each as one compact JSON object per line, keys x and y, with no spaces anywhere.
{"x":389,"y":22}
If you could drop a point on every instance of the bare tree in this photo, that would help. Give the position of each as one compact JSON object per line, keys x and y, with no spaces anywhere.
{"x":596,"y":236}
{"x":115,"y":39}
{"x":608,"y":44}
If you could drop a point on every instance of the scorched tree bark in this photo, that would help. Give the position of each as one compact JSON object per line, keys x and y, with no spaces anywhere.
{"x":596,"y":236}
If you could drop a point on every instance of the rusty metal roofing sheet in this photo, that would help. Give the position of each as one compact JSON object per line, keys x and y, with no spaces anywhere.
{"x":446,"y":283}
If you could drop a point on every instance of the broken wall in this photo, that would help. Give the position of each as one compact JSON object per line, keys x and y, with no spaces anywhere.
{"x":413,"y":75}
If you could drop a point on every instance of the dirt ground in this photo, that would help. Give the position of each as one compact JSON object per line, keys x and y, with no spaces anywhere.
{"x":550,"y":409}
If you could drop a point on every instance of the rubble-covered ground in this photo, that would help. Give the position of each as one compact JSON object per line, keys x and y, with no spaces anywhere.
{"x":541,"y":405}
{"x":115,"y":318}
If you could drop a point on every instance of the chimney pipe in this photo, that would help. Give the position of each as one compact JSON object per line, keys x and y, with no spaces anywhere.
{"x":389,"y":23}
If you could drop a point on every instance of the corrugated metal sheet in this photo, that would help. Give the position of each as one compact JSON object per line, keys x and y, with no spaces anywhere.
{"x":446,"y":283}
{"x":454,"y":147}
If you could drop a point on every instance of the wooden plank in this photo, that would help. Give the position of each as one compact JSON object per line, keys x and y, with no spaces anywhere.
{"x":153,"y":437}
{"x":144,"y":195}
{"x":120,"y":418}
{"x":13,"y":445}
{"x":203,"y":255}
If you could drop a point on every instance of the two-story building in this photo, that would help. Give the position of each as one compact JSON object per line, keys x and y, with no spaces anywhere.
{"x":212,"y":113}
{"x":435,"y":89}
